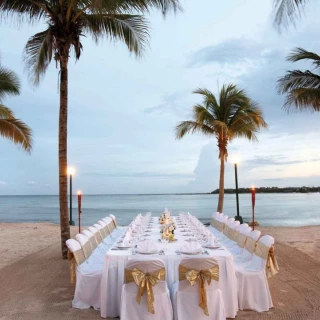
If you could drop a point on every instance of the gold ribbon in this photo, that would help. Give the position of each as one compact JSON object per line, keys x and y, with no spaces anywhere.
{"x":114,"y":222}
{"x":87,"y":249}
{"x":250,"y":245}
{"x":226,"y":230}
{"x":98,"y":237}
{"x":267,"y":253}
{"x":214,"y":223}
{"x":94,"y":242}
{"x":241,"y":240}
{"x":75,"y":258}
{"x":220,"y":226}
{"x":202,"y":277}
{"x":145,"y":281}
{"x":72,"y":264}
{"x":234,"y":235}
{"x":106,"y":230}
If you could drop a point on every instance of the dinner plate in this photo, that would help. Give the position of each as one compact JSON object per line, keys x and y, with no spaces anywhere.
{"x":211,"y":247}
{"x":146,"y":252}
{"x":191,"y":253}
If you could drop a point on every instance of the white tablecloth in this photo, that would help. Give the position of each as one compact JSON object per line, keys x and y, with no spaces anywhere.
{"x":116,"y":260}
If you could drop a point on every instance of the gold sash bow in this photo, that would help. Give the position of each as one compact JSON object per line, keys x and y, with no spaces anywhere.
{"x":75,"y":259}
{"x":241,"y":240}
{"x":145,"y":281}
{"x":201,"y":276}
{"x":114,"y":222}
{"x":250,"y":245}
{"x":267,"y":253}
{"x":234,"y":235}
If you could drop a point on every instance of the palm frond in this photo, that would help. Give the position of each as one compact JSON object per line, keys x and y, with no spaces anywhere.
{"x":132,"y":29}
{"x":23,"y":10}
{"x":5,"y":112}
{"x":9,"y":83}
{"x":38,"y":54}
{"x":301,"y":54}
{"x":16,"y":131}
{"x":298,"y":79}
{"x":192,"y":127}
{"x":303,"y":99}
{"x":142,"y":6}
{"x":287,"y":12}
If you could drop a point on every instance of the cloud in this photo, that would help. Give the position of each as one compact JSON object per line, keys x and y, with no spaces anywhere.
{"x":2,"y":183}
{"x":276,"y":160}
{"x":31,"y":183}
{"x":230,"y":51}
{"x":172,"y":103}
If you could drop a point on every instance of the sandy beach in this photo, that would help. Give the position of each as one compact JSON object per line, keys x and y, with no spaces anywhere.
{"x":35,"y":280}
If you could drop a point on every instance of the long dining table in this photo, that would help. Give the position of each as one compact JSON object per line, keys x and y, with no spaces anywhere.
{"x":115,"y":262}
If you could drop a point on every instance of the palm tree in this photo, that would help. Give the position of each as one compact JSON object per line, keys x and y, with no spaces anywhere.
{"x":10,"y":127}
{"x":67,"y":22}
{"x":231,"y":115}
{"x":302,"y":88}
{"x":287,"y":12}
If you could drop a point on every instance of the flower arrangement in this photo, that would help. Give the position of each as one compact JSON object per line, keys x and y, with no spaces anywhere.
{"x":165,"y":217}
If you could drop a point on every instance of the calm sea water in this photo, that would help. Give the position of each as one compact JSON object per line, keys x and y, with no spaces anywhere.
{"x":271,"y":209}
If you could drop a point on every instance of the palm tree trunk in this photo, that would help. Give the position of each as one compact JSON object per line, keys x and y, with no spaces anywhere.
{"x":63,"y":178}
{"x":221,"y":182}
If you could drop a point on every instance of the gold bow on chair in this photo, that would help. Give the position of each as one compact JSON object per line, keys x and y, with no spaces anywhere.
{"x":201,"y":276}
{"x":145,"y":281}
{"x":267,"y":253}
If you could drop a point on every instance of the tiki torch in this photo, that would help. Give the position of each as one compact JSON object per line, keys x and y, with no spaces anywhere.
{"x":79,"y":208}
{"x":253,"y":200}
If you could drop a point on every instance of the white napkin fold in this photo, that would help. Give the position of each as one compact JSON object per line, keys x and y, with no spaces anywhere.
{"x":211,"y":243}
{"x":191,"y":247}
{"x":146,"y":246}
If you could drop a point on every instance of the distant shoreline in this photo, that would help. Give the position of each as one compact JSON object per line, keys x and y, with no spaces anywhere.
{"x":272,"y":190}
{"x":226,"y":191}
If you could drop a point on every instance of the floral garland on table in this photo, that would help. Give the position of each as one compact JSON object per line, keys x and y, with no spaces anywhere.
{"x":167,"y":226}
{"x":165,"y":217}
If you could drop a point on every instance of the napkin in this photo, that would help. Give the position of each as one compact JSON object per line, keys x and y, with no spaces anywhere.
{"x":146,"y":246}
{"x":211,"y":243}
{"x":126,"y":240}
{"x":191,"y":247}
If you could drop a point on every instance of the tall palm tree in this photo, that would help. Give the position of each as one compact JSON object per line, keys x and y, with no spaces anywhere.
{"x":67,"y":22}
{"x":287,"y":12}
{"x":302,"y":88}
{"x":10,"y":127}
{"x":230,"y":115}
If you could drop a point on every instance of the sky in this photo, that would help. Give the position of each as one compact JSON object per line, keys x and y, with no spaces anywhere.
{"x":123,"y":110}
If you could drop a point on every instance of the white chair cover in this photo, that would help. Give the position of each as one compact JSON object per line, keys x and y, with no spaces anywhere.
{"x":253,"y":287}
{"x":88,"y":282}
{"x":186,"y":297}
{"x":131,"y":310}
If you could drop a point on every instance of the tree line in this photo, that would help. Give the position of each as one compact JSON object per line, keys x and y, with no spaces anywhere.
{"x":271,"y":190}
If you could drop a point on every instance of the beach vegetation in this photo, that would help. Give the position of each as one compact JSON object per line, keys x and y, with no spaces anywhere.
{"x":287,"y":12}
{"x":301,"y":88}
{"x":67,"y":22}
{"x":10,"y":127}
{"x":229,"y":115}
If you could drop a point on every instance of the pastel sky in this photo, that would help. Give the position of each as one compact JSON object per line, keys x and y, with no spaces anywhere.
{"x":123,"y":110}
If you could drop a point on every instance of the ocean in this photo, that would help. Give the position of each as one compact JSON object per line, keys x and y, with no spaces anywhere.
{"x":271,"y":209}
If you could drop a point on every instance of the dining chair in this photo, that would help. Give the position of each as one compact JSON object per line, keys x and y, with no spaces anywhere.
{"x":197,"y":294}
{"x":145,"y":295}
{"x":87,"y":278}
{"x":253,"y":288}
